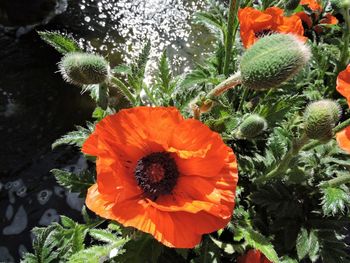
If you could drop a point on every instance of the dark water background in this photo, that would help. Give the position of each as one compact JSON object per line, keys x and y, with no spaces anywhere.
{"x":37,"y":106}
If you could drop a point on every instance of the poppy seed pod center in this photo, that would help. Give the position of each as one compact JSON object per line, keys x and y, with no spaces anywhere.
{"x":156,"y":174}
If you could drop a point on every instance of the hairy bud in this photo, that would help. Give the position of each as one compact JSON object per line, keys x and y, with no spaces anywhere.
{"x":291,"y":4}
{"x":320,"y":118}
{"x":252,"y":126}
{"x":272,"y":60}
{"x":84,"y":69}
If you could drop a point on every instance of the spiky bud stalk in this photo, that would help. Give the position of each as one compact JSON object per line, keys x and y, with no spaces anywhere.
{"x":252,"y":126}
{"x":83,"y":68}
{"x":320,"y":117}
{"x":272,"y":60}
{"x":291,"y":4}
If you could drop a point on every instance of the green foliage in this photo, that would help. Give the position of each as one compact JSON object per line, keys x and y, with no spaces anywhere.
{"x":76,"y":138}
{"x":144,"y":249}
{"x":65,"y":242}
{"x":78,"y":183}
{"x":137,"y":69}
{"x":307,"y":244}
{"x":62,"y":44}
{"x":335,"y":200}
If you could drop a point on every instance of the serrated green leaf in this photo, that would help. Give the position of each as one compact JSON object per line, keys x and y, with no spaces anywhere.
{"x":62,"y":44}
{"x":103,"y":235}
{"x":302,"y":244}
{"x":136,"y":251}
{"x":91,"y":255}
{"x":314,"y":246}
{"x":226,"y":247}
{"x":258,"y":241}
{"x":75,"y":182}
{"x":76,"y":138}
{"x":67,"y":222}
{"x":334,"y":200}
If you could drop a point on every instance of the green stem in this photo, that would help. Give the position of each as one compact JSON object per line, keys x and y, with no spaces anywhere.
{"x":341,"y":126}
{"x":343,"y":179}
{"x":124,"y":89}
{"x":232,"y":19}
{"x":244,"y":96}
{"x":225,"y":85}
{"x":336,"y":129}
{"x":284,"y":163}
{"x":344,"y":55}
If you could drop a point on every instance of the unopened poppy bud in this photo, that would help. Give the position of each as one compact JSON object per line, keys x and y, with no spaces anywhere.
{"x":84,"y":69}
{"x":291,"y":4}
{"x":272,"y":60}
{"x":320,"y":118}
{"x":252,"y":126}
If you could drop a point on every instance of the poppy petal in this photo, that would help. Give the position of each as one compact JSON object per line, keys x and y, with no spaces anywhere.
{"x":343,"y":83}
{"x":343,"y":139}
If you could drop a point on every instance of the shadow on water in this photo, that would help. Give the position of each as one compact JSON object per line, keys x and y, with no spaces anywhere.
{"x":37,"y":107}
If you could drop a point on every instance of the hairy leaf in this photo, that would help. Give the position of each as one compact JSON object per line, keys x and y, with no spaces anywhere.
{"x":62,"y":44}
{"x":75,"y":182}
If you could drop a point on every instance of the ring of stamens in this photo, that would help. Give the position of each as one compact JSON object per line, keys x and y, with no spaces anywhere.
{"x":156,"y":174}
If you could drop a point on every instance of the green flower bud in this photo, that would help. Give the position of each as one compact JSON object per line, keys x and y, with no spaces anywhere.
{"x":272,"y":60}
{"x":320,"y":118}
{"x":84,"y":69}
{"x":252,"y":126}
{"x":291,"y":4}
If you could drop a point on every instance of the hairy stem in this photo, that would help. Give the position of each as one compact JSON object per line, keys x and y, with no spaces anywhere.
{"x":225,"y":85}
{"x":124,"y":89}
{"x":343,"y":179}
{"x":284,"y":163}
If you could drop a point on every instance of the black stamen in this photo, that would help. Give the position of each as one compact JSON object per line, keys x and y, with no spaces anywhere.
{"x":263,"y":33}
{"x":156,"y":174}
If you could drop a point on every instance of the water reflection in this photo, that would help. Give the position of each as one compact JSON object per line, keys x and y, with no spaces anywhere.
{"x":121,"y":28}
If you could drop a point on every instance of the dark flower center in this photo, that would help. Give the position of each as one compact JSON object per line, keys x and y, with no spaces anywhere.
{"x":156,"y":174}
{"x":263,"y":33}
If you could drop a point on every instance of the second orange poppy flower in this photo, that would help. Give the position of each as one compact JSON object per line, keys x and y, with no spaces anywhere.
{"x":255,"y":24}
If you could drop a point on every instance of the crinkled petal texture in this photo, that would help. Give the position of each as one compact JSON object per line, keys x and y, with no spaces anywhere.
{"x":202,"y":200}
{"x":253,"y":256}
{"x":343,"y":139}
{"x":255,"y":23}
{"x":343,"y":83}
{"x":314,"y":5}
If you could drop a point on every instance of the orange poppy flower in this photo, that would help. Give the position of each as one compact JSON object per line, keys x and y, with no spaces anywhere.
{"x":343,"y":139}
{"x":329,"y":19}
{"x":255,"y":24}
{"x":305,"y":18}
{"x":314,"y":5}
{"x":253,"y":256}
{"x":343,"y":87}
{"x":317,"y":9}
{"x":165,"y":175}
{"x":343,"y":83}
